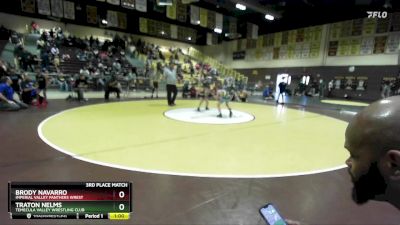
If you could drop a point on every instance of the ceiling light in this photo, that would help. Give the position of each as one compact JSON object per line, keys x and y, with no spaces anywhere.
{"x":198,"y":21}
{"x":189,"y":38}
{"x":162,"y":32}
{"x":240,"y":6}
{"x":103,"y":21}
{"x":269,"y":17}
{"x":218,"y":30}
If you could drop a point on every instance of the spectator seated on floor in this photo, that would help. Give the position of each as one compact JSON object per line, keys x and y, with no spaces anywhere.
{"x":80,"y":86}
{"x":243,"y":95}
{"x":185,"y":89}
{"x":28,"y":90}
{"x":62,"y":81}
{"x":112,"y":86}
{"x":7,"y":101}
{"x":268,"y":93}
{"x":193,"y":92}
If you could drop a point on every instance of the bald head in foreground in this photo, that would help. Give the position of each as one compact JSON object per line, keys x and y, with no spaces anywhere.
{"x":373,"y":140}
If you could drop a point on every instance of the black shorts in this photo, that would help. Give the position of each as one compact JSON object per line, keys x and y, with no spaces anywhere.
{"x":155,"y":84}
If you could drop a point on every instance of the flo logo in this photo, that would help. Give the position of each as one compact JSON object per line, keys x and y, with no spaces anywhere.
{"x":377,"y":14}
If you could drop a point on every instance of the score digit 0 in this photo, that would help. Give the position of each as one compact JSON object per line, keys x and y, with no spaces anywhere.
{"x":121,"y":194}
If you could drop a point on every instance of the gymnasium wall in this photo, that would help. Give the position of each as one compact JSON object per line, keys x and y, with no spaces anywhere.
{"x":375,"y":75}
{"x":358,"y":43}
{"x":19,"y":24}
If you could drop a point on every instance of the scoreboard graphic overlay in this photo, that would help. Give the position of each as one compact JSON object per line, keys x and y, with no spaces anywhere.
{"x":70,"y":200}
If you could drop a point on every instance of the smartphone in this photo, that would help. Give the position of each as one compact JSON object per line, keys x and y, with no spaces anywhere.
{"x":271,"y":215}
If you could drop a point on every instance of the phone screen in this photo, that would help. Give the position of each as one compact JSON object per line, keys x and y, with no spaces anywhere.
{"x":271,"y":215}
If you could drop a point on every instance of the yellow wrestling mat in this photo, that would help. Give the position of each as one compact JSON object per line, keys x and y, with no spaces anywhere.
{"x":275,"y":141}
{"x":340,"y":102}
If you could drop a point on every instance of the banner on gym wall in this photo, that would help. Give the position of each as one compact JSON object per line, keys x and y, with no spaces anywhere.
{"x":141,"y":5}
{"x":194,"y":15}
{"x":91,"y":14}
{"x":113,"y":2}
{"x":44,"y":7}
{"x":69,"y":10}
{"x":171,"y":10}
{"x":143,"y":25}
{"x":57,"y":8}
{"x":28,"y":6}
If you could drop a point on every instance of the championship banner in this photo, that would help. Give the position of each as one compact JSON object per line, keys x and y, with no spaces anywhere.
{"x":112,"y":18}
{"x":382,"y":25}
{"x":181,"y":12}
{"x":278,"y":39}
{"x":141,"y":5}
{"x":283,"y":52}
{"x":392,"y":45}
{"x":171,"y":10}
{"x":270,"y":40}
{"x":219,"y":21}
{"x":232,"y":25}
{"x":203,"y":17}
{"x":308,"y":34}
{"x":239,"y":45}
{"x":69,"y":10}
{"x":317,"y":35}
{"x":91,"y":14}
{"x":211,"y":19}
{"x":300,"y":35}
{"x":57,"y":8}
{"x":154,"y":27}
{"x":260,"y":42}
{"x":380,"y":44}
{"x":251,"y":43}
{"x":369,"y":26}
{"x":44,"y":7}
{"x":143,"y":25}
{"x":292,"y":37}
{"x":314,"y":51}
{"x":335,"y":29}
{"x":194,"y":15}
{"x":355,"y":46}
{"x":367,"y":46}
{"x":254,"y":31}
{"x":333,"y":48}
{"x":346,"y":28}
{"x":209,"y":38}
{"x":285,"y":37}
{"x":28,"y":6}
{"x":344,"y":48}
{"x":129,"y":4}
{"x":243,"y":44}
{"x":275,"y":54}
{"x":395,"y":22}
{"x":174,"y":32}
{"x":122,"y":20}
{"x":357,"y":27}
{"x":189,"y":1}
{"x":250,"y":55}
{"x":291,"y":51}
{"x":259,"y":53}
{"x":305,"y":51}
{"x":113,"y":2}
